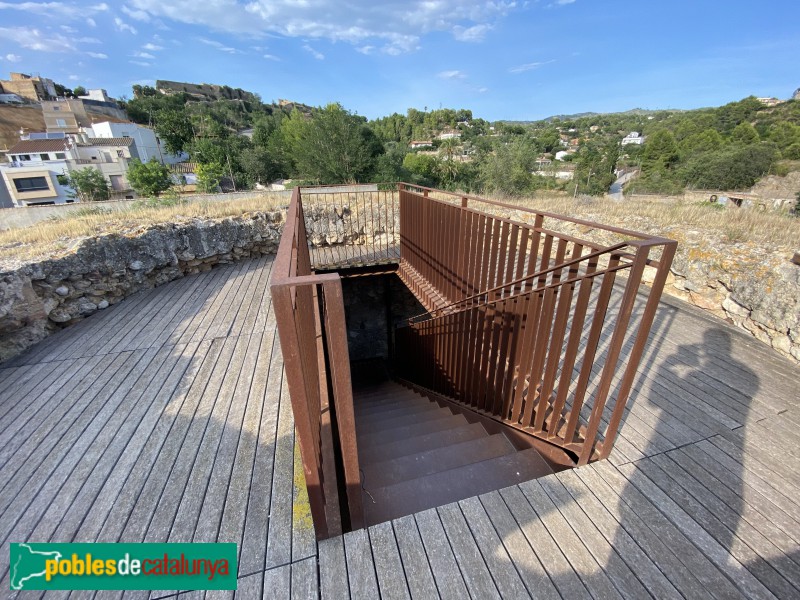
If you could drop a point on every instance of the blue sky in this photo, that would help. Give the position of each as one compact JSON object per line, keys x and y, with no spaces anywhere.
{"x":503,"y":60}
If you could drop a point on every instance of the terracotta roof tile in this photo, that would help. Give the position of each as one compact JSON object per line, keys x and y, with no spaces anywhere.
{"x":114,"y":141}
{"x":37,"y":146}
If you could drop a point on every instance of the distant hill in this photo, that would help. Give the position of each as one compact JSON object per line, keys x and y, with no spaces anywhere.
{"x":583,"y":115}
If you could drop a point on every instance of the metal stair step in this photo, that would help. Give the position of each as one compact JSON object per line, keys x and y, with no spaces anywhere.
{"x":412,"y":466}
{"x":430,"y":425}
{"x":399,"y":403}
{"x":420,"y":443}
{"x":407,"y":497}
{"x":379,"y":418}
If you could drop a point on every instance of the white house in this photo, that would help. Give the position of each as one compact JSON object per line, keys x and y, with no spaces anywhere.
{"x":31,"y":175}
{"x":146,"y":143}
{"x":420,"y":144}
{"x":634,"y":137}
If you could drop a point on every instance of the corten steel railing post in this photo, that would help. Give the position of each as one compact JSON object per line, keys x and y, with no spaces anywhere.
{"x":308,"y":363}
{"x":516,"y":320}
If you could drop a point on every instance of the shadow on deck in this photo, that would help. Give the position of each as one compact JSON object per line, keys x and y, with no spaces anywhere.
{"x":166,"y":418}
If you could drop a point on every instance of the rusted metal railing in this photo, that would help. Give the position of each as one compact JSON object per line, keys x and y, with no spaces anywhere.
{"x":311,"y":324}
{"x":526,"y":323}
{"x":351,"y":226}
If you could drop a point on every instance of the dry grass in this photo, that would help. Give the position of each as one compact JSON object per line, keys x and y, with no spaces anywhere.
{"x":54,"y":237}
{"x":674,"y":219}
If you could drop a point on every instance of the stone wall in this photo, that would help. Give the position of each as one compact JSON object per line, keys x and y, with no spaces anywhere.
{"x":39,"y":298}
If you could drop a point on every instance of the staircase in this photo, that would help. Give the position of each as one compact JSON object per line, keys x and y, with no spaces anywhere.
{"x":415,"y":454}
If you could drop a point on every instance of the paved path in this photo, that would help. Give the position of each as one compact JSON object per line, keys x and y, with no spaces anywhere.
{"x":166,"y":418}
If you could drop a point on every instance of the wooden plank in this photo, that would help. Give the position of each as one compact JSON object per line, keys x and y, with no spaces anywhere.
{"x":522,"y":557}
{"x":470,"y":562}
{"x":333,"y":569}
{"x":178,"y":447}
{"x":360,"y":567}
{"x":603,"y":517}
{"x":278,"y":583}
{"x":728,"y":525}
{"x":175,"y":521}
{"x":448,"y":577}
{"x":254,"y":539}
{"x":505,"y":576}
{"x":279,"y":539}
{"x":388,"y":564}
{"x":304,"y":579}
{"x":418,"y":572}
{"x":142,"y":406}
{"x":547,"y":550}
{"x":593,"y":576}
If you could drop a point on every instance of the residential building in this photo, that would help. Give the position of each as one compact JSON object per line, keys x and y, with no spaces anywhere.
{"x":147,"y":144}
{"x":770,"y":101}
{"x":30,"y":87}
{"x":65,"y":116}
{"x":634,"y":137}
{"x":31,"y":175}
{"x":449,"y":134}
{"x":420,"y":144}
{"x":98,"y":95}
{"x":11,"y":99}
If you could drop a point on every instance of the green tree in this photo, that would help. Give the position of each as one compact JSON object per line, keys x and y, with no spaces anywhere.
{"x":734,"y":168}
{"x":150,"y":178}
{"x":175,"y":128}
{"x":334,"y":146}
{"x":744,"y":133}
{"x":660,"y":151}
{"x":209,"y":176}
{"x":79,"y":91}
{"x":87,"y":185}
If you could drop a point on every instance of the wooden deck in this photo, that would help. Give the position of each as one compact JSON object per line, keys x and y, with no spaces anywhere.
{"x":166,"y":418}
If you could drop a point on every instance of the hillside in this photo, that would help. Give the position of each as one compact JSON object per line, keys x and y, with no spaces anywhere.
{"x":30,"y":118}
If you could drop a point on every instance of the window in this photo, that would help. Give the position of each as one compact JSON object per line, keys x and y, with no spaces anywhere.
{"x":56,"y":108}
{"x":61,"y":123}
{"x":44,"y":156}
{"x":60,"y":156}
{"x":22,"y":157}
{"x":31,"y":184}
{"x":120,"y":153}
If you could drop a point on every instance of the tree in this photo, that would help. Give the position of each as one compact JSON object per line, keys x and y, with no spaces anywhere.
{"x":150,"y":178}
{"x":660,"y":151}
{"x":79,"y":91}
{"x":332,"y":147}
{"x":209,"y":176}
{"x":87,"y":185}
{"x":744,"y":134}
{"x":175,"y":128}
{"x":735,"y":168}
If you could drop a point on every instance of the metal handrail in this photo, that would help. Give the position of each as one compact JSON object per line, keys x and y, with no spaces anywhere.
{"x":311,"y":324}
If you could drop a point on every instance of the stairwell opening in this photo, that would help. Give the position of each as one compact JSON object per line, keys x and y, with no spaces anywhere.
{"x":418,"y":449}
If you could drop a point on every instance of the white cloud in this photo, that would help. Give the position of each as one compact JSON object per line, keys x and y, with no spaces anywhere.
{"x":529,"y":66}
{"x":123,"y":26}
{"x":141,"y":63}
{"x":271,"y":57}
{"x":91,"y":22}
{"x":73,"y":78}
{"x":97,"y":55}
{"x":563,"y":2}
{"x":314,"y":53}
{"x":88,"y":40}
{"x":136,"y":15}
{"x":35,"y":39}
{"x":476,"y":33}
{"x":219,"y":46}
{"x":61,"y":10}
{"x":144,"y":55}
{"x":452,"y":75}
{"x":13,"y":58}
{"x":68,"y":29}
{"x":391,"y":26}
{"x":152,"y":47}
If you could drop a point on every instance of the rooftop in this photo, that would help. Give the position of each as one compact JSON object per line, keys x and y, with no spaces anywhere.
{"x":36,"y":146}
